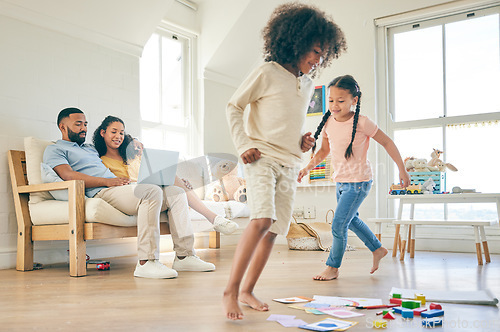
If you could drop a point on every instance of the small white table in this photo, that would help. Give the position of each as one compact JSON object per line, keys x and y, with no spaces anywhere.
{"x":440,"y":198}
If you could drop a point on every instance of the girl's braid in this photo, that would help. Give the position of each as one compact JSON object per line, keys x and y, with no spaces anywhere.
{"x":320,"y":128}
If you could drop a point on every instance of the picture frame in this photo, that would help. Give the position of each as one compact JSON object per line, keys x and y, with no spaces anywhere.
{"x":317,"y":105}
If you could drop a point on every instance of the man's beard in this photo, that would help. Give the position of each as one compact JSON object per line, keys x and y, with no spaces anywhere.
{"x":75,"y":137}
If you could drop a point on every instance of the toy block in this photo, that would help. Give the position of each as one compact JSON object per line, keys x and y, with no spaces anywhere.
{"x":432,"y":313}
{"x":379,"y":324}
{"x":407,"y":313}
{"x":435,"y":306}
{"x":397,"y":310}
{"x":386,"y":311}
{"x":396,"y":296}
{"x":389,"y":315}
{"x":410,"y":304}
{"x":421,"y":298}
{"x":418,"y":311}
{"x":432,"y":322}
{"x":395,"y":301}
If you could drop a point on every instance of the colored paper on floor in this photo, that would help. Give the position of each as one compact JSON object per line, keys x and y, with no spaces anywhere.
{"x":294,"y":299}
{"x":292,"y":322}
{"x":340,"y":313}
{"x":316,"y":305}
{"x":329,"y":324}
{"x":275,"y":318}
{"x":314,"y":311}
{"x":335,"y":301}
{"x":484,"y":297}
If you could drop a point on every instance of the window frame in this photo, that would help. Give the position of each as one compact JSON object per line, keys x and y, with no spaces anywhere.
{"x":386,"y":28}
{"x":190,"y":90}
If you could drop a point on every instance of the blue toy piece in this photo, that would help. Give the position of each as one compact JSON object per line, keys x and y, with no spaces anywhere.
{"x":407,"y":313}
{"x":432,"y":322}
{"x":432,"y":313}
{"x":397,"y":310}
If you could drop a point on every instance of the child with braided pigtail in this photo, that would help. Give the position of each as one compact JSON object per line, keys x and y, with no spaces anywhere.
{"x":346,"y":135}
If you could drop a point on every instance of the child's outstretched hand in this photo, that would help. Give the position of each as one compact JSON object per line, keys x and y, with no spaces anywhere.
{"x":250,"y":155}
{"x":303,"y":172}
{"x":307,"y":142}
{"x":404,"y":178}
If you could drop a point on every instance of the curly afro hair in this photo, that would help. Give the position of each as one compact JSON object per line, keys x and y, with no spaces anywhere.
{"x":294,"y":29}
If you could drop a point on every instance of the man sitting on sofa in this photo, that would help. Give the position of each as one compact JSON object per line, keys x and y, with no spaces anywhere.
{"x":72,"y":159}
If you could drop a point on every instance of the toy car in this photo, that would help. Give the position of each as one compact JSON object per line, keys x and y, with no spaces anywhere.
{"x":396,"y":189}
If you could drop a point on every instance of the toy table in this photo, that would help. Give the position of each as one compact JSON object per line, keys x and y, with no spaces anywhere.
{"x":409,"y":225}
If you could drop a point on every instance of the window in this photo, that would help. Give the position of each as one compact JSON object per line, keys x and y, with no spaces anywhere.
{"x":166,"y":93}
{"x":443,"y":78}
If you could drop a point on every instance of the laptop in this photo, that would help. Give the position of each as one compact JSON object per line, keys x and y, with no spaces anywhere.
{"x":158,"y":167}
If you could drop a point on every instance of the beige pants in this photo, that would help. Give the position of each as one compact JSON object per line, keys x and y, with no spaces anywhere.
{"x":147,"y":201}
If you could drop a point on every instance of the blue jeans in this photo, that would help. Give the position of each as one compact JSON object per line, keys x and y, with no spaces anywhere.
{"x":349,"y":199}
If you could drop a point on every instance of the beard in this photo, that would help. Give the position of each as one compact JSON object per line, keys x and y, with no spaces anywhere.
{"x":75,"y":137}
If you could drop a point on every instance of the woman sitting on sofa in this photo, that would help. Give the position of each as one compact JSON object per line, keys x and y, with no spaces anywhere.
{"x":122,"y":154}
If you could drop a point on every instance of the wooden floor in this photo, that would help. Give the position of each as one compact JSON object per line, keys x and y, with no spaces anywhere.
{"x":114,"y":300}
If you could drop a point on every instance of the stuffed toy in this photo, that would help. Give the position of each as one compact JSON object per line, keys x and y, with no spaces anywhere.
{"x":439,"y":164}
{"x":409,"y":164}
{"x":420,"y":165}
{"x":229,"y":186}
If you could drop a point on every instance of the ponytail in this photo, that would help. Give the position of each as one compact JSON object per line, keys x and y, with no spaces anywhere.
{"x":320,"y":128}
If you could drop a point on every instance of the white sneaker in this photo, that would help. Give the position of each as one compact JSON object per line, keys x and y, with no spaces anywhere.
{"x":224,"y":226}
{"x":154,"y":269}
{"x":192,"y":263}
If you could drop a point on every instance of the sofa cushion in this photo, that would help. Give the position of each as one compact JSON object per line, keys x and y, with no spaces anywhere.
{"x":49,"y":175}
{"x":34,"y":148}
{"x":53,"y":212}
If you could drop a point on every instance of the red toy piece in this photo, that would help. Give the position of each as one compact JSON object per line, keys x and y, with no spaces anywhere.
{"x":418,"y":311}
{"x":396,"y":301}
{"x":435,"y":306}
{"x":389,"y":315}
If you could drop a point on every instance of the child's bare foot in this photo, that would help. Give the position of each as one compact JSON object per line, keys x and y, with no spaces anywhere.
{"x":377,"y":256}
{"x":231,"y":307}
{"x":329,"y":273}
{"x":254,"y":303}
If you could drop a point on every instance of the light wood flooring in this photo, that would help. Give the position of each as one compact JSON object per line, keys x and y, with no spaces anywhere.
{"x":50,"y":300}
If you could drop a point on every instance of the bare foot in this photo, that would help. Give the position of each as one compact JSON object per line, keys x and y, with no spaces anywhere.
{"x":231,"y":307}
{"x":329,"y":273}
{"x":254,"y":303}
{"x":377,"y":256}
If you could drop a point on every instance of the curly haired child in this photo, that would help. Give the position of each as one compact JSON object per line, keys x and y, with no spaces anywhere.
{"x":346,"y":135}
{"x":298,"y":39}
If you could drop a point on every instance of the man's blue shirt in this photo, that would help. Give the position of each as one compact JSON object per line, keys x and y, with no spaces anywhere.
{"x":81,"y":158}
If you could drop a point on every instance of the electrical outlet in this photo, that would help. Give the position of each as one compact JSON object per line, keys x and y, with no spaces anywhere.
{"x":310,"y":212}
{"x":298,"y":212}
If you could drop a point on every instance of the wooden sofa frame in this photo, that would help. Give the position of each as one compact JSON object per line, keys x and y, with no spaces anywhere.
{"x":77,"y":231}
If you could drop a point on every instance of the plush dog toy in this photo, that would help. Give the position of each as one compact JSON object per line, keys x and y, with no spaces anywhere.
{"x":229,"y":186}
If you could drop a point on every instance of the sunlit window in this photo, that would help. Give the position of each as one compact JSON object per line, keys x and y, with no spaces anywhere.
{"x":166,"y":92}
{"x":444,"y":84}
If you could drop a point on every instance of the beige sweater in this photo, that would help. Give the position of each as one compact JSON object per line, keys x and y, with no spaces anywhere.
{"x":274,"y":123}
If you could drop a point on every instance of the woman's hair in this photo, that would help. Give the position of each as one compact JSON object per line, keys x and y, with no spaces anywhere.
{"x":294,"y":29}
{"x":100,"y":145}
{"x":346,"y":82}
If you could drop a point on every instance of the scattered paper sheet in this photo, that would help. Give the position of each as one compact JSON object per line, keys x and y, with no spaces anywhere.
{"x":340,"y":313}
{"x":294,"y":299}
{"x":275,"y":318}
{"x":329,"y":324}
{"x":346,"y":301}
{"x":292,"y":322}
